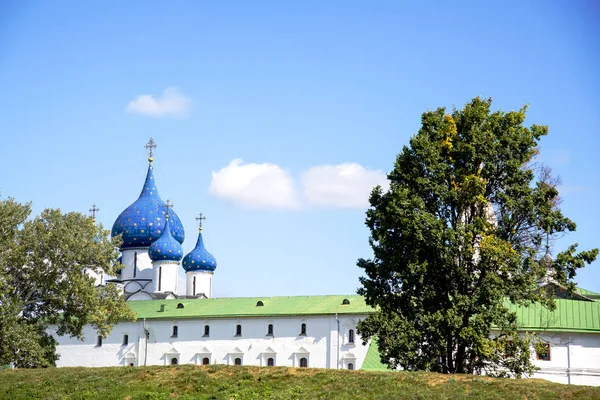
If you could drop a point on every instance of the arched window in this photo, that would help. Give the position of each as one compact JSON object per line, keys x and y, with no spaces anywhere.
{"x":351,"y":336}
{"x":238,"y":361}
{"x":270,"y":330}
{"x":125,"y":340}
{"x":350,"y":366}
{"x":205,"y":361}
{"x":175,"y":331}
{"x":303,"y":362}
{"x":206,"y":330}
{"x":238,"y":330}
{"x":345,"y":302}
{"x":180,"y":305}
{"x":174,"y":361}
{"x":303,"y":329}
{"x":270,"y":362}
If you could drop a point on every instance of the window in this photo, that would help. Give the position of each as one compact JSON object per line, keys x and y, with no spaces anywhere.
{"x":125,"y":340}
{"x":345,"y":302}
{"x":194,"y":287}
{"x":351,"y":336}
{"x":270,"y":362}
{"x":259,"y":304}
{"x":205,"y":361}
{"x":175,"y":331}
{"x":206,"y":330}
{"x":350,"y":366}
{"x":270,"y":330}
{"x":180,"y":305}
{"x":174,"y":361}
{"x":131,"y":364}
{"x":543,"y":351}
{"x":303,"y":330}
{"x":303,"y":362}
{"x":238,"y":330}
{"x":99,"y":341}
{"x":134,"y":264}
{"x":238,"y":361}
{"x":159,"y":277}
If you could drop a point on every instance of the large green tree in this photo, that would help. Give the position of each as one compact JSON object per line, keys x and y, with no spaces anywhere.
{"x":458,"y":234}
{"x":43,"y":285}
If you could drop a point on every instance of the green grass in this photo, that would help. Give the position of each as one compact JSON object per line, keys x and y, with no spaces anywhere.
{"x":223,"y":382}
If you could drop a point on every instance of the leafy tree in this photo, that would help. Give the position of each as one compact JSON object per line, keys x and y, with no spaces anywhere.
{"x":457,"y":236}
{"x":43,"y":286}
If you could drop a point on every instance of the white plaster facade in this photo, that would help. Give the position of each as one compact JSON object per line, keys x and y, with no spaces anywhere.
{"x":574,"y":359}
{"x":323,"y":346}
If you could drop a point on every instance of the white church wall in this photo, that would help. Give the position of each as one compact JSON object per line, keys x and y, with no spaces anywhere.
{"x":203,"y":283}
{"x":574,"y":357}
{"x":136,"y":264}
{"x":254,"y":346}
{"x":165,"y":277}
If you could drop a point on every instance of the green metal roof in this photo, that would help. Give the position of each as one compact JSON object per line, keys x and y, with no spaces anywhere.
{"x":571,"y":315}
{"x":246,"y":307}
{"x":372,"y":359}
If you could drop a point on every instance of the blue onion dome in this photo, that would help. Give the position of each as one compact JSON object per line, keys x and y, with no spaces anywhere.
{"x":166,"y":248}
{"x":143,"y":222}
{"x":199,"y":259}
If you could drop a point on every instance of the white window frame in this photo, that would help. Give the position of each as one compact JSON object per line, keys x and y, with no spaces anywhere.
{"x":266,"y":354}
{"x":299,"y":354}
{"x":232,"y":355}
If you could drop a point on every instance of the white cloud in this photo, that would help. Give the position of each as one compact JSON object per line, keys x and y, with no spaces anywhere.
{"x":270,"y":186}
{"x":172,"y":103}
{"x":345,"y":185}
{"x":255,"y":185}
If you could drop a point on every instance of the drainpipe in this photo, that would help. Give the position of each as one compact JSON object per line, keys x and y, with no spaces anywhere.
{"x":147,"y":334}
{"x":337,"y":359}
{"x":568,"y":364}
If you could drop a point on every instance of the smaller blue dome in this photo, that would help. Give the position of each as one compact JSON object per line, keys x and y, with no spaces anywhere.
{"x":199,"y":259}
{"x":166,"y":248}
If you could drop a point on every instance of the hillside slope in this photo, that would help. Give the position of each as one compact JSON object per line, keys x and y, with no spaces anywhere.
{"x":225,"y":382}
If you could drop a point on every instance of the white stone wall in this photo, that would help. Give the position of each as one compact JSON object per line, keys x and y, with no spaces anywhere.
{"x":580,"y":350}
{"x":203,"y":283}
{"x":320,"y":346}
{"x":143,"y":269}
{"x":168,"y":274}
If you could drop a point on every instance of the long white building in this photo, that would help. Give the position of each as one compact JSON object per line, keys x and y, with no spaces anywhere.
{"x":299,"y":331}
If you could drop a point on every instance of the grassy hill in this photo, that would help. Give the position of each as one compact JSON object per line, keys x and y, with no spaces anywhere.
{"x":224,"y":382}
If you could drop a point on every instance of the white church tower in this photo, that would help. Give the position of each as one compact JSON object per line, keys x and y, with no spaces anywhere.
{"x":199,"y":266}
{"x":165,"y":253}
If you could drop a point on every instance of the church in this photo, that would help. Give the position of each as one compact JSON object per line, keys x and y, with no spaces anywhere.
{"x":295,"y":331}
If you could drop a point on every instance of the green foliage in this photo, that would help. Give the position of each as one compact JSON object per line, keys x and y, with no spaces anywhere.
{"x":43,"y":283}
{"x":460,"y":230}
{"x":229,"y":382}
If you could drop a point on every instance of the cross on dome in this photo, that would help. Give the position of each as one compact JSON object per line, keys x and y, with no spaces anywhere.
{"x":94,"y":210}
{"x":151,"y":145}
{"x":200,"y":218}
{"x":168,"y":206}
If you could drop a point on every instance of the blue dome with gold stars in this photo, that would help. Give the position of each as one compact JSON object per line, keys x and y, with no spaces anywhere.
{"x":143,"y":222}
{"x":166,"y":248}
{"x":199,"y":259}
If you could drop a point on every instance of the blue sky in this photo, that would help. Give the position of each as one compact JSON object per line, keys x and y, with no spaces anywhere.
{"x":315,"y":97}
